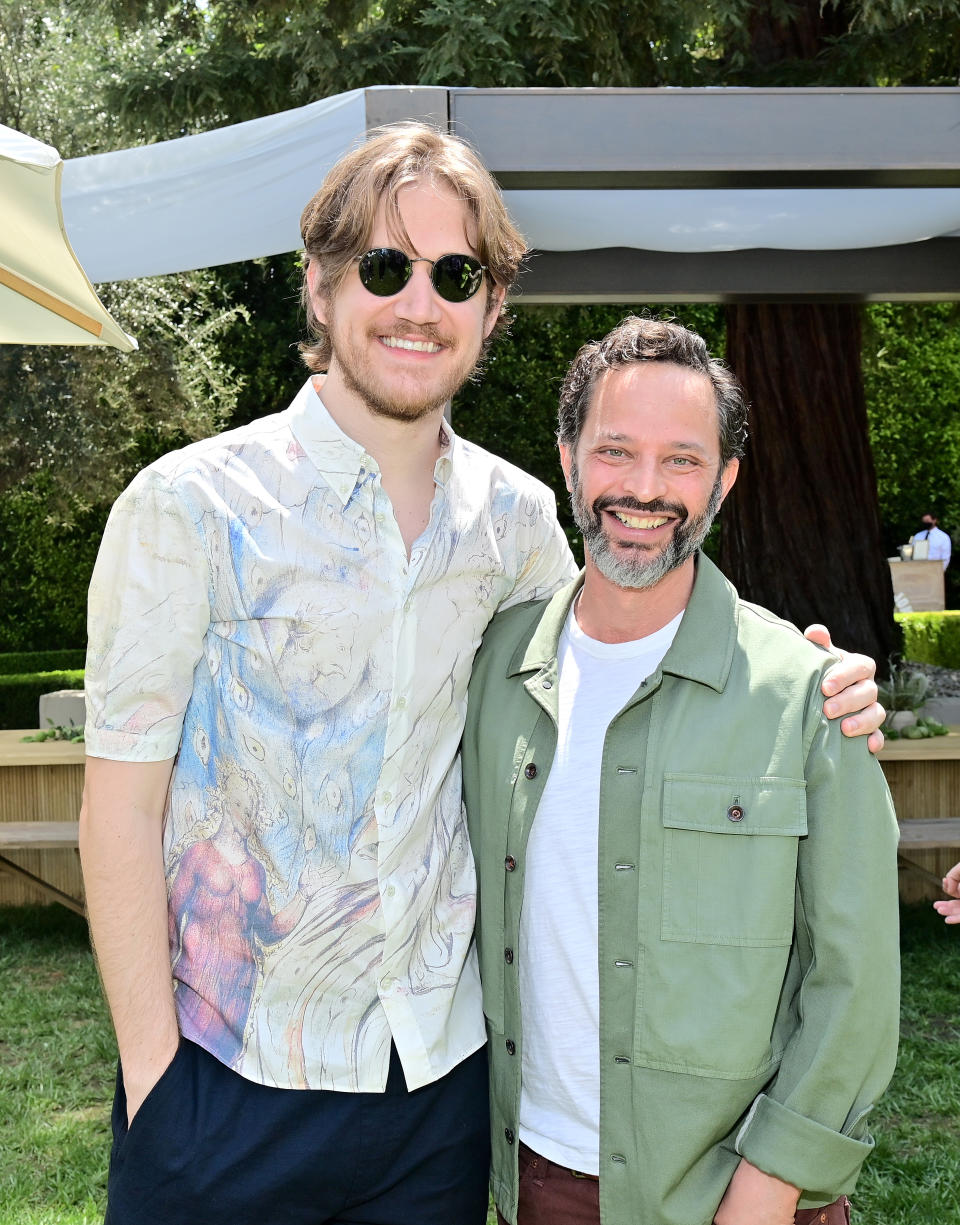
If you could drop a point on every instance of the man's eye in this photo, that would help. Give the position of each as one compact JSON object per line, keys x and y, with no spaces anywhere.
{"x":614,"y":451}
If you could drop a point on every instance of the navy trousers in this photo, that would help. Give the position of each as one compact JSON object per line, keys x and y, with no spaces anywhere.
{"x":209,"y":1146}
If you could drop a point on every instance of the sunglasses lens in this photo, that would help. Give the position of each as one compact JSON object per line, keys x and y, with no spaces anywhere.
{"x":457,"y":277}
{"x":385,"y":271}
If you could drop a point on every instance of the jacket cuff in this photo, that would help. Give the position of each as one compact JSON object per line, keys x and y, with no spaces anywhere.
{"x":800,"y":1150}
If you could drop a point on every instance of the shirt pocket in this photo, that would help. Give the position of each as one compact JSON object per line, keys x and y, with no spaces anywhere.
{"x":730,"y":858}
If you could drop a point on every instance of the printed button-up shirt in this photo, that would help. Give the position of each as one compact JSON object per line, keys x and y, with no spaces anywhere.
{"x":254,"y":613}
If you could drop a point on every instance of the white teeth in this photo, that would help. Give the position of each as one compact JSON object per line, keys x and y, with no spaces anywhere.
{"x":417,"y":346}
{"x":636,"y":521}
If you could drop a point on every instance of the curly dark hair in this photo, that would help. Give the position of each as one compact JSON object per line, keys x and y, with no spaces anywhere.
{"x":642,"y":339}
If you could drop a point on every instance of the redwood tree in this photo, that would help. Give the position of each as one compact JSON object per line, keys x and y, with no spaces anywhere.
{"x":801,"y":531}
{"x":801,"y":528}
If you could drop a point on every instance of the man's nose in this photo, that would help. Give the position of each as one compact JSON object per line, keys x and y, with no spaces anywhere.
{"x":418,"y":301}
{"x":645,"y":480}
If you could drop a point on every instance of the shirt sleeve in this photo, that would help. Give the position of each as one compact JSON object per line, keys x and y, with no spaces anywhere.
{"x":809,"y":1126}
{"x":545,"y":562}
{"x":147,"y":615}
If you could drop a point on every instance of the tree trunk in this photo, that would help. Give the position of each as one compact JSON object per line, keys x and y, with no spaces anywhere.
{"x":801,"y":528}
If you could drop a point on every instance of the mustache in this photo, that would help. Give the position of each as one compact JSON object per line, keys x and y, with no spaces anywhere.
{"x":659,"y":506}
{"x":415,"y":331}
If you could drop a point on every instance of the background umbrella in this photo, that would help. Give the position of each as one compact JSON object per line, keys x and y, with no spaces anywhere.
{"x":45,"y":297}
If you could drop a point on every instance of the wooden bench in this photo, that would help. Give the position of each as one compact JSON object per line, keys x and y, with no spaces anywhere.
{"x":935,"y":834}
{"x":39,"y":836}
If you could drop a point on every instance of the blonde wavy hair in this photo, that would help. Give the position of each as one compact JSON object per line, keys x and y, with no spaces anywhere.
{"x":337,"y":223}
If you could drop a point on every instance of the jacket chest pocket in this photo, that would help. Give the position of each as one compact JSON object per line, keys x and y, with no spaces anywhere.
{"x":730,"y":858}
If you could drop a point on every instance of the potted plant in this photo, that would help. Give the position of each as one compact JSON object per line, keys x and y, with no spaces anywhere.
{"x":903,"y":695}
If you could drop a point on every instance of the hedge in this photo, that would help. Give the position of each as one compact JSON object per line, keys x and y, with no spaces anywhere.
{"x":931,"y":637}
{"x":20,"y":694}
{"x":18,"y":662}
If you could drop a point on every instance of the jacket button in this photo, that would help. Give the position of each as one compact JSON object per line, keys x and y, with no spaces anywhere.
{"x":508,"y":956}
{"x":508,"y":1135}
{"x":530,"y":771}
{"x":511,"y":1047}
{"x":735,"y":812}
{"x":510,"y":863}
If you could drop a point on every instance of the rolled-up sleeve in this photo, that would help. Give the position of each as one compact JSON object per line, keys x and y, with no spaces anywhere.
{"x":809,"y":1127}
{"x":148,"y":614}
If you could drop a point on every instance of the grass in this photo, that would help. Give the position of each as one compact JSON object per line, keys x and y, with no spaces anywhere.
{"x":57,"y":1062}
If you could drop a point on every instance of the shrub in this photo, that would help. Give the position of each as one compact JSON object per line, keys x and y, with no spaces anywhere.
{"x":20,"y":694}
{"x":931,"y":637}
{"x":12,"y":662}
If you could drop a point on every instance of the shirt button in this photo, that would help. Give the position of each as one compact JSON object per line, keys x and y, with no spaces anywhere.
{"x":391,"y":890}
{"x":378,"y":517}
{"x":530,"y":771}
{"x":508,"y":1135}
{"x":510,"y":863}
{"x":735,"y":812}
{"x":508,"y":956}
{"x":511,"y":1047}
{"x":401,"y":703}
{"x":386,"y":797}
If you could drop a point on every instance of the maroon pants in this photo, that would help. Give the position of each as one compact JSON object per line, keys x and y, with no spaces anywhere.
{"x":553,"y":1195}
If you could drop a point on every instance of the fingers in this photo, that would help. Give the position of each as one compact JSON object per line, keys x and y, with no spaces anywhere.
{"x":819,"y":634}
{"x":949,"y":911}
{"x":875,"y":742}
{"x":951,"y":882}
{"x":860,"y":700}
{"x":848,"y":671}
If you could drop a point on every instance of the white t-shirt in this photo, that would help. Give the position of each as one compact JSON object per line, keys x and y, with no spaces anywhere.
{"x":559,"y":927}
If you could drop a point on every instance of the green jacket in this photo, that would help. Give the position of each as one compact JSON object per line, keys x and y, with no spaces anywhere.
{"x":748,"y":967}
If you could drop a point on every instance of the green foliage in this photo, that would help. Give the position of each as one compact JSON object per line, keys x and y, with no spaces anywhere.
{"x":39,"y":661}
{"x":931,"y":638}
{"x":905,"y":689}
{"x":46,"y":567}
{"x":83,"y":419}
{"x":56,"y":731}
{"x":20,"y":694}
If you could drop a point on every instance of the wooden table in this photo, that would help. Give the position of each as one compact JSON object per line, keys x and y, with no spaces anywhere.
{"x":40,"y":783}
{"x":924,"y":780}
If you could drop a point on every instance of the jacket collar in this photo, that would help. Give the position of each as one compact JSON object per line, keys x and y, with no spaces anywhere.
{"x":702,"y":650}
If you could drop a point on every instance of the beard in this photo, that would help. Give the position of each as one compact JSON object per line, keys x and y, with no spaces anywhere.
{"x":632,"y":564}
{"x":403,"y":398}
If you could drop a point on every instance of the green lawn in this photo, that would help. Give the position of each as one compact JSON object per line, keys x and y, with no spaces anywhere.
{"x":57,"y":1068}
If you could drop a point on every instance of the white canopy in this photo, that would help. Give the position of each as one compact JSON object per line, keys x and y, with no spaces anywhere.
{"x":236,"y":193}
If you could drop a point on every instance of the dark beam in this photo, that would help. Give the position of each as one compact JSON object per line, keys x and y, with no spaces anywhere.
{"x":913,"y":272}
{"x":688,"y":138}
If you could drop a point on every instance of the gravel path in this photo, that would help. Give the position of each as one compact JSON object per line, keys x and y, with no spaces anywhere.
{"x":944,"y":682}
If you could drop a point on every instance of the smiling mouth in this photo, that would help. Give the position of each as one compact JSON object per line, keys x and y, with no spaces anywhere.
{"x":640,"y":521}
{"x":413,"y":346}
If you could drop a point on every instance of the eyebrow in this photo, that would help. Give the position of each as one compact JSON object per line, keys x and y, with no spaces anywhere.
{"x":677,"y":445}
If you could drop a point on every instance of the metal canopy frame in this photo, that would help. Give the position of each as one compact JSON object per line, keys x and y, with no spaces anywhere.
{"x":550,"y":139}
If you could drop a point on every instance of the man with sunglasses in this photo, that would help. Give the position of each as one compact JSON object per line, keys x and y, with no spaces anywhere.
{"x":295,"y":606}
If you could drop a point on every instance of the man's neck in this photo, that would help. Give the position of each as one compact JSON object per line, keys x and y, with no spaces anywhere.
{"x":610,"y":613}
{"x":402,"y":449}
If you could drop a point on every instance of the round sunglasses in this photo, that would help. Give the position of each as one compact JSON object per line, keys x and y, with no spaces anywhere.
{"x":384,"y":271}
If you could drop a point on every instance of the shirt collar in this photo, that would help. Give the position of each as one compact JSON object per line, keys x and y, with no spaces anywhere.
{"x":341,"y":459}
{"x":701,"y":651}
